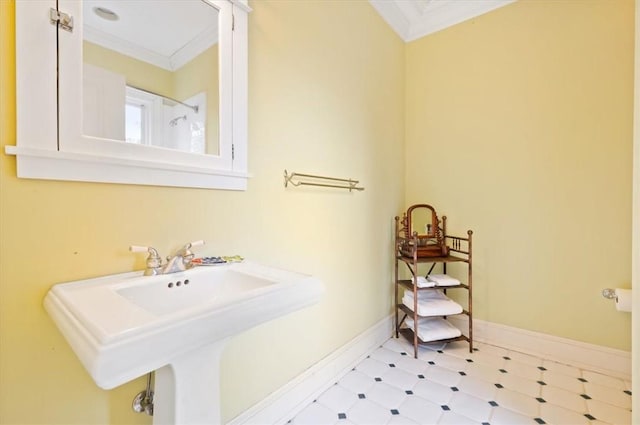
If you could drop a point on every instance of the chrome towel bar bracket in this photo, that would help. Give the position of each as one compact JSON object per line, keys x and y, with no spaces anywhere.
{"x":609,"y":293}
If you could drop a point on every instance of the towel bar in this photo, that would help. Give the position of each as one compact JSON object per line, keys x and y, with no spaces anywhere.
{"x":310,"y":180}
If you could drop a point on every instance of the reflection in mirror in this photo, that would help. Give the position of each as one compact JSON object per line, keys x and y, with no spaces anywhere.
{"x":150,"y":73}
{"x":421,"y":220}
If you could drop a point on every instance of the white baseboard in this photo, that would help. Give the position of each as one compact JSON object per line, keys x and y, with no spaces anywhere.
{"x":609,"y":361}
{"x":286,"y":402}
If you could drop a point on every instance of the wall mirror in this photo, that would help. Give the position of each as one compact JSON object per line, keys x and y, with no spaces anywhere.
{"x":147,"y":92}
{"x":150,"y":73}
{"x":422,"y":219}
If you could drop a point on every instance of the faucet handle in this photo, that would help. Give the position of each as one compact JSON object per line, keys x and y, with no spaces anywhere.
{"x":194,"y":243}
{"x":187,"y":255}
{"x":154,"y":262}
{"x":139,"y":248}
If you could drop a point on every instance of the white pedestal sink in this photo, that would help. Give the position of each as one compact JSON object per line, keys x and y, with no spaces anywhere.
{"x":124,"y":326}
{"x":188,"y":393}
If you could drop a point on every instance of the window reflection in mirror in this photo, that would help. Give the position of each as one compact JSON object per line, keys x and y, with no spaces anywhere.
{"x":151,"y":73}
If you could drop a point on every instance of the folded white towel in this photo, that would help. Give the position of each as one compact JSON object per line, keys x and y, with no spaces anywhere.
{"x":432,"y":303}
{"x":443,"y":280}
{"x":434,"y":328}
{"x":423,"y":282}
{"x":431,"y":294}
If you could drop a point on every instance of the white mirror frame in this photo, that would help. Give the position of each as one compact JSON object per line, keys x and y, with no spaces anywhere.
{"x":46,"y":150}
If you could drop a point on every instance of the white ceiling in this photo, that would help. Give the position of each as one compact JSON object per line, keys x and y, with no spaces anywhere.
{"x":413,"y":19}
{"x":169,"y":33}
{"x":166,"y":33}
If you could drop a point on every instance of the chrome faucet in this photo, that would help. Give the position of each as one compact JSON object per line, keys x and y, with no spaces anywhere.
{"x":181,"y":260}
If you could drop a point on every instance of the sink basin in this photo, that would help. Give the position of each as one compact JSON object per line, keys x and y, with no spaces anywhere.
{"x":124,"y":326}
{"x":169,"y":295}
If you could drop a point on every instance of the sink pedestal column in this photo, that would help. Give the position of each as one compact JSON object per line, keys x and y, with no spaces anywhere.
{"x":187,"y":391}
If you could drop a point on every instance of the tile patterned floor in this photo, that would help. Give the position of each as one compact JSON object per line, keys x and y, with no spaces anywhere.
{"x":490,"y":386}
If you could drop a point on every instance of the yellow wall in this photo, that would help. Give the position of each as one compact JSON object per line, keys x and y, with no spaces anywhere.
{"x":198,"y":75}
{"x":138,"y":73}
{"x":324,"y":99}
{"x":519,"y":126}
{"x":635,"y":251}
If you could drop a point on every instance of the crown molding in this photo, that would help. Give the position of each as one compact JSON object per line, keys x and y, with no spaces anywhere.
{"x":413,"y":20}
{"x":170,"y":63}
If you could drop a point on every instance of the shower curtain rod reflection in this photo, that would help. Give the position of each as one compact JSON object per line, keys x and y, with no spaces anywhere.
{"x":193,"y":107}
{"x":313,"y":180}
